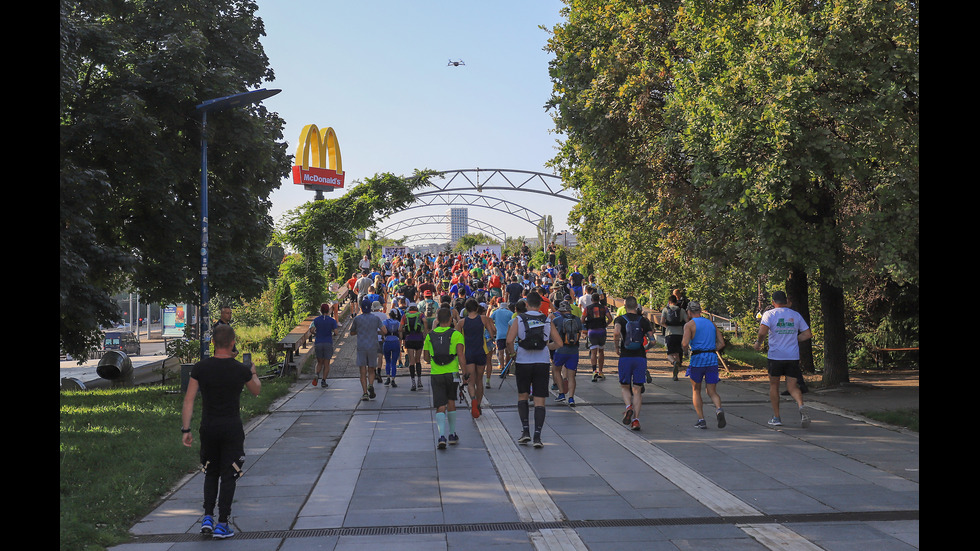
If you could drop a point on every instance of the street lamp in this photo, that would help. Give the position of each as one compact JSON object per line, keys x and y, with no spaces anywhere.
{"x":215,"y":104}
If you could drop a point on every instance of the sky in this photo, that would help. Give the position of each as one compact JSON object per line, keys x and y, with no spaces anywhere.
{"x":378,"y":73}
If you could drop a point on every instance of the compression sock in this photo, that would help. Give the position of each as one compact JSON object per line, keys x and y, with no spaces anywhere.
{"x":441,"y":423}
{"x":522,"y":412}
{"x":451,"y":416}
{"x":538,"y":419}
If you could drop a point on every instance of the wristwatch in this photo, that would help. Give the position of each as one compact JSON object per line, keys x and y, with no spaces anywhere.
{"x":183,"y":430}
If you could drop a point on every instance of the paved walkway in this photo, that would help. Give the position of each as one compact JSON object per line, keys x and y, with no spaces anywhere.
{"x":326,"y":471}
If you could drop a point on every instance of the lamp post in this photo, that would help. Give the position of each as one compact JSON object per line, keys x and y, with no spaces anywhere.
{"x":216,"y":104}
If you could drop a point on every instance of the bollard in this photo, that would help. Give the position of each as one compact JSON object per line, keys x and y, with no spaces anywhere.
{"x":185,"y":376}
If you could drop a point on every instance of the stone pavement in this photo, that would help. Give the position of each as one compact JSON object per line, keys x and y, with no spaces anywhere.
{"x":327,"y":471}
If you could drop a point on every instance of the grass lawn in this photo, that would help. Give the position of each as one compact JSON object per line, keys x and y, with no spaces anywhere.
{"x":121,"y":451}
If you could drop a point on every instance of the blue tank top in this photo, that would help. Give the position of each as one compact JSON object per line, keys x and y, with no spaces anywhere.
{"x":704,"y":339}
{"x":473,"y":333}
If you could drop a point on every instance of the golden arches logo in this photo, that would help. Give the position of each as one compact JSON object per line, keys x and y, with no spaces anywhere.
{"x":316,"y":149}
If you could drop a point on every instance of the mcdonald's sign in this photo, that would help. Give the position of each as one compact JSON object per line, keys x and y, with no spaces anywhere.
{"x":317,"y":148}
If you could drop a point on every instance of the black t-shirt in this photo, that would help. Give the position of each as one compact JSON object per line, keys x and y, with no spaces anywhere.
{"x":621,"y":322}
{"x":221,"y":381}
{"x":515,"y":290}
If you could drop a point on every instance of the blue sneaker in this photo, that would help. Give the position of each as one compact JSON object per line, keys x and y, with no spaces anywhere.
{"x":571,"y":401}
{"x":222,"y":531}
{"x":453,"y":439}
{"x":442,"y":443}
{"x":207,"y":525}
{"x":561,"y":397}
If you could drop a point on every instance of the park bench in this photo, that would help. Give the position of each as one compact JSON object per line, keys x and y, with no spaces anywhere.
{"x":293,"y":343}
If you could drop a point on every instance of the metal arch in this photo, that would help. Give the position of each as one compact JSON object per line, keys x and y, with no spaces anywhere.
{"x":554,"y":191}
{"x":442,"y":219}
{"x":428,"y":199}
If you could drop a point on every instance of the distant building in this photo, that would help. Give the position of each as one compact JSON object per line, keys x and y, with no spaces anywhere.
{"x":458,"y":224}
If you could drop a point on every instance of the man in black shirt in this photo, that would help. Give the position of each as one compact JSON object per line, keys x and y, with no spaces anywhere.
{"x":220,"y":379}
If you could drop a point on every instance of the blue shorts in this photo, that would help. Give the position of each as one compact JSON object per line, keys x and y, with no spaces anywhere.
{"x":568,"y":361}
{"x":633,"y":369}
{"x":708,"y":374}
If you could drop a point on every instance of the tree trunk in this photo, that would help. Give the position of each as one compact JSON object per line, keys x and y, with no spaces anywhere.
{"x":797,"y":290}
{"x":835,"y":369}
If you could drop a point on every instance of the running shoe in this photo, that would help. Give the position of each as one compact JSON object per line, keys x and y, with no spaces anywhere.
{"x":323,"y":383}
{"x":775,"y":422}
{"x":628,"y":416}
{"x":453,"y":439}
{"x":315,"y":380}
{"x":207,"y":525}
{"x":388,"y":381}
{"x":721,"y":418}
{"x":371,"y":393}
{"x":413,"y":386}
{"x":560,"y":397}
{"x":442,"y":443}
{"x":701,"y":424}
{"x":571,"y":402}
{"x":524,"y":438}
{"x":554,"y":386}
{"x":420,"y":382}
{"x":474,"y":409}
{"x":393,"y":383}
{"x":601,"y":376}
{"x":804,"y":418}
{"x":635,"y":425}
{"x":595,"y":376}
{"x":222,"y":531}
{"x":537,"y":441}
{"x":365,"y":397}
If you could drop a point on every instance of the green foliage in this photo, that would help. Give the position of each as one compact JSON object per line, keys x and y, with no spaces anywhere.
{"x":120,"y":451}
{"x":132,"y":74}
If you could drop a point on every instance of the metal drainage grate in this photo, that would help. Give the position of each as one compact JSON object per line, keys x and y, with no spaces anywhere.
{"x":869,"y":516}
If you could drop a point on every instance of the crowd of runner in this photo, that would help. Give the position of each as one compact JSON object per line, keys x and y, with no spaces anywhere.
{"x":459,"y":312}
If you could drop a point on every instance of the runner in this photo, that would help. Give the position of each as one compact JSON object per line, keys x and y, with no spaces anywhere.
{"x":595,"y":319}
{"x":443,"y":349}
{"x":628,"y":333}
{"x":703,"y":339}
{"x":570,"y":328}
{"x":392,"y":346}
{"x":325,"y":329}
{"x":531,"y":332}
{"x":475,"y":361}
{"x":414,"y":330}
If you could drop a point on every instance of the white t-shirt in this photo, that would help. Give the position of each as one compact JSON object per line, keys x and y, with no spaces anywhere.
{"x":784,"y":325}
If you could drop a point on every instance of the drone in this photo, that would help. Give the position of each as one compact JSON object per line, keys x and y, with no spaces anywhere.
{"x":455,"y":63}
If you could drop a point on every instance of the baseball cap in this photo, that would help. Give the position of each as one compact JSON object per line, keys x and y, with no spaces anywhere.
{"x":564,"y":306}
{"x":427,"y":293}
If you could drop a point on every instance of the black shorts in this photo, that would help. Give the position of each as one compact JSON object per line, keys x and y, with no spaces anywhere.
{"x":533,"y":378}
{"x":414,"y":345}
{"x":444,"y":389}
{"x":673,"y":343}
{"x":789,"y":368}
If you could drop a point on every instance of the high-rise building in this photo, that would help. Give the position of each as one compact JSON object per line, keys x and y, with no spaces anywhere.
{"x":458,"y":225}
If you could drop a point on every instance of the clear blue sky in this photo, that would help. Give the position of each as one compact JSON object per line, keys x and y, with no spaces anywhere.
{"x":377,"y":73}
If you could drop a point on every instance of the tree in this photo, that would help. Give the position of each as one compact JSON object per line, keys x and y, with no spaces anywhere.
{"x":131,"y":76}
{"x":801,"y":120}
{"x":611,"y":75}
{"x":546,"y":229}
{"x":337,"y":222}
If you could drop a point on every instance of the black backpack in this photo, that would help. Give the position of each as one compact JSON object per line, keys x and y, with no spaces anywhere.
{"x":673,"y":317}
{"x":441,"y":346}
{"x":634,"y":333}
{"x":534,"y":338}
